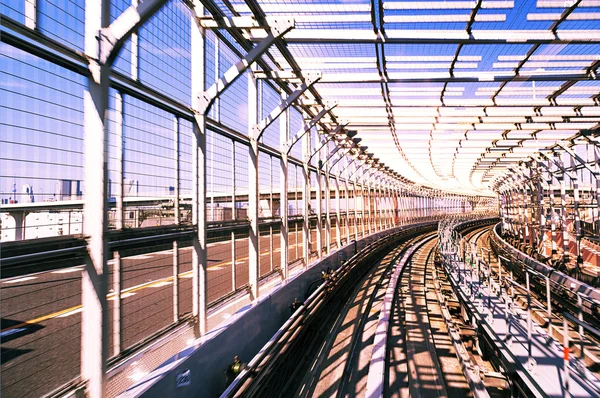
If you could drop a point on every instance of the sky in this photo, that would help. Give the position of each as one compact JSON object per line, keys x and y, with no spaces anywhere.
{"x":42,"y":130}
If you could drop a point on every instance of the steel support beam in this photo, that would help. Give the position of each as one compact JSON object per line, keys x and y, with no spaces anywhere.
{"x":306,"y":196}
{"x":208,"y":97}
{"x":177,"y":176}
{"x":199,"y":246}
{"x":284,"y":123}
{"x":338,"y":218}
{"x":319,"y":202}
{"x":398,"y":36}
{"x":307,"y":126}
{"x":260,"y":127}
{"x":94,"y":319}
{"x":329,"y":136}
{"x":113,"y":37}
{"x":253,"y":189}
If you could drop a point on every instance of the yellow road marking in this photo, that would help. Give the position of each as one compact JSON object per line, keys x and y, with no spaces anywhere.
{"x":157,"y":283}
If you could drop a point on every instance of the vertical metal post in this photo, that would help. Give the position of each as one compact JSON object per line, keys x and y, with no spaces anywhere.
{"x":283,"y":194}
{"x":581,"y":330}
{"x":369,"y":199}
{"x":199,"y":266}
{"x":566,"y":355}
{"x":347,"y":197}
{"x":327,"y":214}
{"x":541,"y":220}
{"x":271,"y":255}
{"x":199,"y":257}
{"x":134,"y":49}
{"x":177,"y":220}
{"x":94,"y":330}
{"x":529,"y":326}
{"x":319,"y":202}
{"x":563,"y":212}
{"x":233,"y":217}
{"x":338,"y":218}
{"x":31,"y":14}
{"x":552,"y":211}
{"x":354,"y":192}
{"x":120,"y":151}
{"x":521,"y":214}
{"x":306,"y":235}
{"x":117,"y":305}
{"x":271,"y":206}
{"x":575,"y":181}
{"x":549,"y":306}
{"x":253,"y":187}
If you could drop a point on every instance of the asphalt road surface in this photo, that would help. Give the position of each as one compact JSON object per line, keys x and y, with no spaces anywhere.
{"x":41,"y":313}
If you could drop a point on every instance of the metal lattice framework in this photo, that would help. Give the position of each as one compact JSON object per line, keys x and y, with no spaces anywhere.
{"x":366,"y":115}
{"x":463,"y":89}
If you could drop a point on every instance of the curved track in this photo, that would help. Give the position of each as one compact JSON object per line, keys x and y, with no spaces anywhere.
{"x":421,"y":361}
{"x":559,"y":302}
{"x":341,"y":365}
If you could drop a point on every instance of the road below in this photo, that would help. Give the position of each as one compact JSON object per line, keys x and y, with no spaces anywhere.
{"x":41,"y":313}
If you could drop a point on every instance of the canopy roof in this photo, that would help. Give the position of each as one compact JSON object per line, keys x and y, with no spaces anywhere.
{"x":449,"y":94}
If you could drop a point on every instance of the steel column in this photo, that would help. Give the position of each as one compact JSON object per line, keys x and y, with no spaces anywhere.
{"x":176,"y":219}
{"x":253,"y":188}
{"x":117,"y":336}
{"x":199,"y":255}
{"x":283,"y":195}
{"x":327,"y":213}
{"x":563,"y":212}
{"x":306,"y":193}
{"x":347,"y":197}
{"x":319,"y":202}
{"x":338,"y":220}
{"x":31,"y":12}
{"x":94,"y":330}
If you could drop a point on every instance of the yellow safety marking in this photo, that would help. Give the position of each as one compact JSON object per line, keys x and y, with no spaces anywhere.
{"x":156,"y":283}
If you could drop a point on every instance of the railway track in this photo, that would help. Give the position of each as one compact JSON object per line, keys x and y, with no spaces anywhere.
{"x":433,"y":368}
{"x":559,"y":303}
{"x":341,"y":366}
{"x":335,"y":359}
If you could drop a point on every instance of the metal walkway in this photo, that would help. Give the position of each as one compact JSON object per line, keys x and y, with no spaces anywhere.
{"x":542,"y":366}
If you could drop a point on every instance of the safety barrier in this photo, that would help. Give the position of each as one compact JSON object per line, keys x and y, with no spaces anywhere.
{"x":243,"y":334}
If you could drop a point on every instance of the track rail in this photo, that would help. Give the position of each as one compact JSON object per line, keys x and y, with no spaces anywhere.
{"x":561,"y":301}
{"x":305,"y":344}
{"x":389,"y":334}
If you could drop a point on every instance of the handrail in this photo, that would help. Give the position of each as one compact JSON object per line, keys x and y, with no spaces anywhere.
{"x":572,"y":284}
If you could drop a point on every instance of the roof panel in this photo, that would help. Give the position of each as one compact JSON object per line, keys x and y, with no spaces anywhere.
{"x":448,"y":82}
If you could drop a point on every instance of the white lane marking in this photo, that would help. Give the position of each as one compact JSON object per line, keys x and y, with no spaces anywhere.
{"x":123,"y":295}
{"x":66,"y":314}
{"x":139,"y":257}
{"x":170,"y":251}
{"x":68,"y":270}
{"x":161,"y":284}
{"x":18,"y":280}
{"x":137,"y":375}
{"x":215,"y":268}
